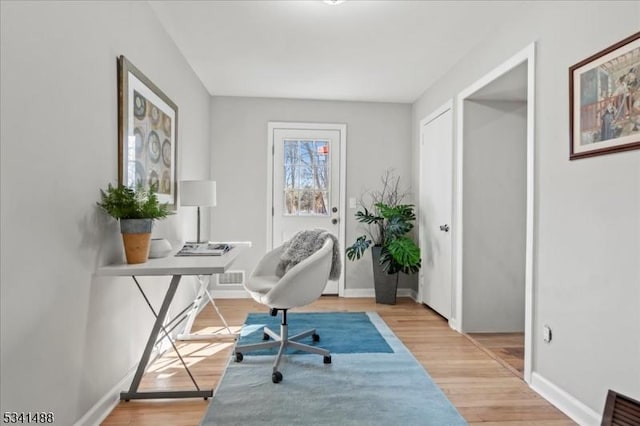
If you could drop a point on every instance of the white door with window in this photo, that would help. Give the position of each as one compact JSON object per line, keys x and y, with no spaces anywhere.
{"x":436,"y":162}
{"x":307,"y":187}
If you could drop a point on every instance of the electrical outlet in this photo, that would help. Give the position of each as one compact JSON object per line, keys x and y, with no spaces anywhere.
{"x":546,"y":333}
{"x":352,"y":203}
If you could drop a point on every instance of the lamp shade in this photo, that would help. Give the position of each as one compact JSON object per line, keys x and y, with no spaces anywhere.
{"x":198,"y":193}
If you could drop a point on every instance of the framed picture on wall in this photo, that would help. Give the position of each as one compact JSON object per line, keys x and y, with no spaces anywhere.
{"x":604,"y":101}
{"x":147,"y":134}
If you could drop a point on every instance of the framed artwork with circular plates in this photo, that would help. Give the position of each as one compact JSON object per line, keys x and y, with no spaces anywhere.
{"x":147,"y":134}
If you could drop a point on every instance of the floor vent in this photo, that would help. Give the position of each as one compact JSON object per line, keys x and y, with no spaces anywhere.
{"x":620,"y":410}
{"x":233,"y":278}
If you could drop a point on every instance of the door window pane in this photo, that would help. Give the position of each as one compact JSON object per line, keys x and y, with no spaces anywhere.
{"x":289,"y":177}
{"x":306,"y":202}
{"x":322,"y":178}
{"x":290,"y":203}
{"x":306,"y":152}
{"x":306,"y":177}
{"x":320,"y":207}
{"x":290,"y":151}
{"x":322,"y":151}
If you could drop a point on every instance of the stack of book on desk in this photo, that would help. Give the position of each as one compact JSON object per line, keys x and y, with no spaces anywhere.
{"x":204,"y":249}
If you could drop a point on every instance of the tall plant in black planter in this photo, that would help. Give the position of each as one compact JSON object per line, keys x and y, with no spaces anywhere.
{"x":389,"y":223}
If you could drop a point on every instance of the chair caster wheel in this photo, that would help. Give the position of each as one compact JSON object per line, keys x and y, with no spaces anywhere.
{"x":276,"y":377}
{"x":327,"y":359}
{"x":239,"y":357}
{"x":315,"y":337}
{"x":265,"y":336}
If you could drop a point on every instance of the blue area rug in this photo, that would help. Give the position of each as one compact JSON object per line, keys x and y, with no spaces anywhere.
{"x":375,"y":387}
{"x":336,"y":330}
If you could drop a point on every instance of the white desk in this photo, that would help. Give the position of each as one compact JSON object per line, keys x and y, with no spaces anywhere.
{"x":175,"y":267}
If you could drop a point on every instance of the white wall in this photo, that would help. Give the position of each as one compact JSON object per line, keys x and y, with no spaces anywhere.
{"x":494,"y":216}
{"x":587,"y":225}
{"x":69,"y":337}
{"x":378,"y":137}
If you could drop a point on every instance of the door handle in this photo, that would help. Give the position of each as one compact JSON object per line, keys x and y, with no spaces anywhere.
{"x":444,"y":228}
{"x":334,"y":220}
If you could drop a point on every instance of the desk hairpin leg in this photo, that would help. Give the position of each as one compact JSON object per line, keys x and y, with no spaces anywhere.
{"x":202,"y":291}
{"x":151,"y":342}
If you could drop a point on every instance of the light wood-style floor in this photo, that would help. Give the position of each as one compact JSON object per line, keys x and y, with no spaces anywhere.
{"x":481,"y":388}
{"x":506,"y":348}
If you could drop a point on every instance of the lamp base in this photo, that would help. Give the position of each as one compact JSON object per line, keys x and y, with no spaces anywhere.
{"x":197,"y":242}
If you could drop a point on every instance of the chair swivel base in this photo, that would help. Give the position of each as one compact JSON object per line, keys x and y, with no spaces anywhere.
{"x":283,"y":341}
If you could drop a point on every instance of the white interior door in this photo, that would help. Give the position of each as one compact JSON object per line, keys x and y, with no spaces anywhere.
{"x":306,"y":184}
{"x":435,"y":210}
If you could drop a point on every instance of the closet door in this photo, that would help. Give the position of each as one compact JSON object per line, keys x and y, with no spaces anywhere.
{"x":436,"y":163}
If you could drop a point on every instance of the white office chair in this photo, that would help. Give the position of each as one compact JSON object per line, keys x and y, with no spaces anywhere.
{"x":299,"y":286}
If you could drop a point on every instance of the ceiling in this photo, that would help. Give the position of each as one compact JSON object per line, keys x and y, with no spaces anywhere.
{"x":510,"y":86}
{"x":380,"y":51}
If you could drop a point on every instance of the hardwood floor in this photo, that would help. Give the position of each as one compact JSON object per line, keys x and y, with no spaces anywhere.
{"x":506,"y":348}
{"x":481,"y":388}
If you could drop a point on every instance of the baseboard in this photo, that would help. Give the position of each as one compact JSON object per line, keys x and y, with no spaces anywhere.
{"x":369,"y":292}
{"x":408,"y":292}
{"x":229,"y":294}
{"x":566,"y":403}
{"x":99,"y":412}
{"x":453,"y":323}
{"x":240,"y":293}
{"x":359,"y":292}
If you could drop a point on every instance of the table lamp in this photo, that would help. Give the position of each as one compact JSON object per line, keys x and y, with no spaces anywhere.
{"x":200,"y":193}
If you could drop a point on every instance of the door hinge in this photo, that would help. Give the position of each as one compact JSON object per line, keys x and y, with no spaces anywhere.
{"x":273,"y":211}
{"x":273,"y":149}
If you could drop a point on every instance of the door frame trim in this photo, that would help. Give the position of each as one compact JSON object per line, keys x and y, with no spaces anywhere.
{"x":447,"y":106}
{"x":272,"y":126}
{"x":525,"y":55}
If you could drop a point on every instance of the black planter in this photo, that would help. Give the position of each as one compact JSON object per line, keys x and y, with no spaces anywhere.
{"x":386,"y":286}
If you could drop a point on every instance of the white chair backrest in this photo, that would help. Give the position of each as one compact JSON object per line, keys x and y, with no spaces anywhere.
{"x":305,"y":282}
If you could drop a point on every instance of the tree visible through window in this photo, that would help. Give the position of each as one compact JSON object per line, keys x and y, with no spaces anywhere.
{"x":306,"y":177}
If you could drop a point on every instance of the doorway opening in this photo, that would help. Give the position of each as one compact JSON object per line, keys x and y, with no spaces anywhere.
{"x":494,"y":212}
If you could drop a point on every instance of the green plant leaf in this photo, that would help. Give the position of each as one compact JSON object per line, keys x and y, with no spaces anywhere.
{"x":405,"y":251}
{"x":400,"y":255}
{"x":404,"y":211}
{"x":367,"y":217}
{"x":358,"y":248}
{"x":122,"y":202}
{"x":397,"y":227}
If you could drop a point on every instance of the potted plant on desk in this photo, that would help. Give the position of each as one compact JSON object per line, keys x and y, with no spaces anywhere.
{"x":392,"y":250}
{"x":135,"y":209}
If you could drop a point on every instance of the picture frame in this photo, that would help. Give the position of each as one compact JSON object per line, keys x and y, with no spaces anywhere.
{"x":604,"y":101}
{"x":147,"y":134}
